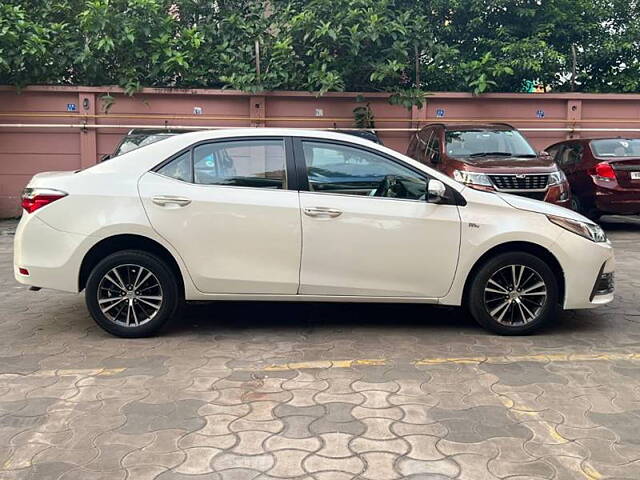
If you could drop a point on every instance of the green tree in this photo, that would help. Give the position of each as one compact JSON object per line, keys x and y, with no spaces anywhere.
{"x":405,"y":47}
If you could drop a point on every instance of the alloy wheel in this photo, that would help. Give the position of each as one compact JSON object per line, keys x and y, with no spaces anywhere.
{"x":129,"y":295}
{"x":515,"y":295}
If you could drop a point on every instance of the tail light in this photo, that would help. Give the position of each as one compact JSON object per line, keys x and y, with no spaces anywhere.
{"x":35,"y":198}
{"x":604,"y":171}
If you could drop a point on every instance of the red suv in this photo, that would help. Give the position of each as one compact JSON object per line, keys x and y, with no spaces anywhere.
{"x":493,"y":157}
{"x":604,"y":174}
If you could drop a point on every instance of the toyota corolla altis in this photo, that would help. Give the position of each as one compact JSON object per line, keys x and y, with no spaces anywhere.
{"x":279,"y":214}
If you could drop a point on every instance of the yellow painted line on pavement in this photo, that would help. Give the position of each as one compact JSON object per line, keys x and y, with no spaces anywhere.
{"x":587,"y":471}
{"x":325,"y":364}
{"x":542,"y":357}
{"x":591,"y":473}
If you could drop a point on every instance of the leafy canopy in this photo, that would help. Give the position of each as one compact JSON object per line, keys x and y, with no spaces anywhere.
{"x":406,"y":47}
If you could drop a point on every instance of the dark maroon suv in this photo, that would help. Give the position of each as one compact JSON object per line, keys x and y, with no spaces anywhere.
{"x":604,"y":174}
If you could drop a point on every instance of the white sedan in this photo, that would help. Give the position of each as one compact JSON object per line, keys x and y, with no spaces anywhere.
{"x":280,"y":214}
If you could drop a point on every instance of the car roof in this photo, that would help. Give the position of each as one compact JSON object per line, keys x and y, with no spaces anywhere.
{"x":368,"y":134}
{"x":149,"y":156}
{"x":202,"y":135}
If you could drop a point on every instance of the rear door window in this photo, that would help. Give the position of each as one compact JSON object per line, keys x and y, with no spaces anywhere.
{"x":241,"y":163}
{"x":258,"y":163}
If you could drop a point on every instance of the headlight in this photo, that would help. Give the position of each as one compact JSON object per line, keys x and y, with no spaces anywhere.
{"x":556,"y":178}
{"x":472,"y":178}
{"x":587,"y":230}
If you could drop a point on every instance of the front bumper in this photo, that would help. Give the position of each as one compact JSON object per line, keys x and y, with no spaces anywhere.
{"x":584,"y":263}
{"x":605,"y":284}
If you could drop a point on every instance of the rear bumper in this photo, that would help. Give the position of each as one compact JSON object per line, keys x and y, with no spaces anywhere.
{"x":611,"y":197}
{"x":51,"y":257}
{"x":622,"y":201}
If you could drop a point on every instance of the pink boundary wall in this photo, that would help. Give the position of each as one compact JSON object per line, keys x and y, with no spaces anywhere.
{"x":38,"y":133}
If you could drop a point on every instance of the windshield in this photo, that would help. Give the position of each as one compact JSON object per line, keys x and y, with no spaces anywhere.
{"x":618,"y":147}
{"x":478,"y":143}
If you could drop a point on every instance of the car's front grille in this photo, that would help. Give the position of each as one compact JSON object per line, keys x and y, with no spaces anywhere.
{"x":534,"y":195}
{"x":520,"y":182}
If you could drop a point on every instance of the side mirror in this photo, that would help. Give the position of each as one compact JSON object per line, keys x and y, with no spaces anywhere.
{"x":543,"y":153}
{"x":436,"y":191}
{"x":435,"y":158}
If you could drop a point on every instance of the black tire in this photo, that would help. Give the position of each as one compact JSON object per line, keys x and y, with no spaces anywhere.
{"x":576,"y":205}
{"x":479,"y":301}
{"x":580,"y":207}
{"x":162,"y":284}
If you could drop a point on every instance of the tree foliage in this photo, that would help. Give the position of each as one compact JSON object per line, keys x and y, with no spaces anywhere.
{"x":406,"y":47}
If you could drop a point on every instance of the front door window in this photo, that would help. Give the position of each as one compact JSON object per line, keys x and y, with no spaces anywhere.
{"x":346,"y":170}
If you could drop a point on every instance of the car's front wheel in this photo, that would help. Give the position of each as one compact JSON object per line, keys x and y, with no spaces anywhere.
{"x":513,"y":293}
{"x":132,"y":293}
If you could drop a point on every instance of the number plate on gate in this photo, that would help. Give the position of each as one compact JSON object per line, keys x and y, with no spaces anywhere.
{"x":635,"y":175}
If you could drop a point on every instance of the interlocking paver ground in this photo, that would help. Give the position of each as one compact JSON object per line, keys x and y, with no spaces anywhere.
{"x":320,"y":391}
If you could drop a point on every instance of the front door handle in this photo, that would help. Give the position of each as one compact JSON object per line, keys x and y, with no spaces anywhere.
{"x":322,"y":212}
{"x":164,"y":200}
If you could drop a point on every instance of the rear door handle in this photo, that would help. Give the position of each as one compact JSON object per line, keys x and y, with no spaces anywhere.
{"x":322,"y":212}
{"x":164,"y":200}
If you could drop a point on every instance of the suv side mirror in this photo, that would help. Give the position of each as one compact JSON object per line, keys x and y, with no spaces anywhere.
{"x":435,"y":158}
{"x":544,"y":153}
{"x":436,"y":191}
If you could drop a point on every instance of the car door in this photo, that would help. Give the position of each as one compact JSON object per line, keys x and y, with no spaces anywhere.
{"x":368,"y":229}
{"x":226,"y":207}
{"x":569,"y":159}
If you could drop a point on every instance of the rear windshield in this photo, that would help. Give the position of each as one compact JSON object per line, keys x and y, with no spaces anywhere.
{"x":467,"y":143}
{"x":132,"y":142}
{"x":618,"y":147}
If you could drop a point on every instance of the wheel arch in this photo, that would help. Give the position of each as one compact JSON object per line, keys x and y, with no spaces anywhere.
{"x":117,"y":243}
{"x":518,"y":246}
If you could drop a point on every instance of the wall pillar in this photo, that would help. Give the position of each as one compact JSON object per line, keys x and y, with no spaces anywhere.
{"x":419,"y":115}
{"x":257,"y":111}
{"x":574,"y":115}
{"x":88,"y":136}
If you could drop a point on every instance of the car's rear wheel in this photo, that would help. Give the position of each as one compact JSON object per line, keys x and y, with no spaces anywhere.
{"x":132,"y":293}
{"x":513,"y":293}
{"x":579,"y":207}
